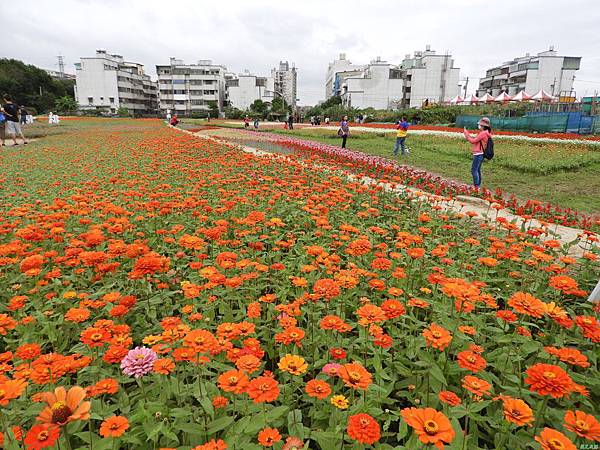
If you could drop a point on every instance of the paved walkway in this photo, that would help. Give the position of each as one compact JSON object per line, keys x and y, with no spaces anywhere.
{"x":484,"y":210}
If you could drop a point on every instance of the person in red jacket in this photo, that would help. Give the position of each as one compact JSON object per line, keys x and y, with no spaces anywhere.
{"x":478,"y":145}
{"x":174,"y":121}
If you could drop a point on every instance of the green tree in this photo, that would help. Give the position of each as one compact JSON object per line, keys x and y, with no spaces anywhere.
{"x":260,"y":108}
{"x":32,"y":86}
{"x":279,"y":106}
{"x":213,"y":108}
{"x":65,"y":104}
{"x":123,"y":112}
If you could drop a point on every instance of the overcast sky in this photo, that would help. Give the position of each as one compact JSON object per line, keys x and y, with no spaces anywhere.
{"x":256,"y":34}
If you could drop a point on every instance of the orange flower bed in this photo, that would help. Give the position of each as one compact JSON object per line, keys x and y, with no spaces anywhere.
{"x":166,"y":291}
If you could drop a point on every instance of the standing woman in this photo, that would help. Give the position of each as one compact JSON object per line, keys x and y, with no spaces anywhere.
{"x":478,"y":145}
{"x":344,"y":131}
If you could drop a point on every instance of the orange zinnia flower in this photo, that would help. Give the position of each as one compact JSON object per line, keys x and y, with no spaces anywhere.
{"x":42,"y":436}
{"x":64,"y":407}
{"x":355,"y":376}
{"x":11,"y":389}
{"x":584,"y":425}
{"x":449,"y":398}
{"x":517,"y":411}
{"x":263,"y":389}
{"x":548,"y":379}
{"x":268,"y":437}
{"x":476,"y":385}
{"x":248,"y":363}
{"x":233,"y":381}
{"x":95,"y":337}
{"x":202,"y":341}
{"x":164,"y":366}
{"x":524,"y":303}
{"x":471,"y":361}
{"x":114,"y":426}
{"x":431,"y":426}
{"x":437,"y":337}
{"x":318,"y":388}
{"x":551,"y":439}
{"x":371,"y":313}
{"x":293,"y":364}
{"x":363,"y":429}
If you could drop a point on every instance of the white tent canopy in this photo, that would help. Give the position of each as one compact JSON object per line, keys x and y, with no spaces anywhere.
{"x":456,"y":100}
{"x":521,"y":96}
{"x":543,"y":95}
{"x":471,"y":99}
{"x":503,"y":97}
{"x":485,"y":98}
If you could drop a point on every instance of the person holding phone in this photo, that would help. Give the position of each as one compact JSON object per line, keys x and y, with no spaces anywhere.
{"x":478,"y":144}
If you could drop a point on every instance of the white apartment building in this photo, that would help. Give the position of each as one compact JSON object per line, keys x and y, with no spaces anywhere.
{"x":378,"y":85}
{"x":336,"y":71}
{"x":546,"y":70}
{"x":285,"y":82}
{"x":186,"y":89}
{"x":429,"y":78}
{"x":245,"y":88}
{"x":106,"y":82}
{"x":423,"y":78}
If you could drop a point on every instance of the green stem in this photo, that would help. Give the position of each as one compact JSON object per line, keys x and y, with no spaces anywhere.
{"x":540,"y":415}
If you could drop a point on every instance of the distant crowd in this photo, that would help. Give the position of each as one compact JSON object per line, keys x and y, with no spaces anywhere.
{"x":12,"y":116}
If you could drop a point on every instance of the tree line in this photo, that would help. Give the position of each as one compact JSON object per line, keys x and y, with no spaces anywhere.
{"x":32,"y":87}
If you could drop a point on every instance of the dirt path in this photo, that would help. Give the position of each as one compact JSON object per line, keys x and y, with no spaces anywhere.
{"x":484,"y":210}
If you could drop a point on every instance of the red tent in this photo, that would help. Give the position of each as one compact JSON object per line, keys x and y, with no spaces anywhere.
{"x":487,"y":98}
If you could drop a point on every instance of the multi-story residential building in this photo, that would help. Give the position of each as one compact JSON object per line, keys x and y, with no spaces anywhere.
{"x":336,"y":72}
{"x":186,"y":89}
{"x":545,"y":71}
{"x":423,"y":78}
{"x":106,"y":82}
{"x":245,"y":88}
{"x":285,"y":80}
{"x":378,"y":85}
{"x":428,"y":78}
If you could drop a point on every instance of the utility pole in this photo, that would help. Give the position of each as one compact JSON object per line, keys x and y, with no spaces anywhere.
{"x":466,"y":84}
{"x":61,"y":66}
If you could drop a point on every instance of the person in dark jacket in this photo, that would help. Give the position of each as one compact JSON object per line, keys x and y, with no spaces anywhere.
{"x":344,"y":130}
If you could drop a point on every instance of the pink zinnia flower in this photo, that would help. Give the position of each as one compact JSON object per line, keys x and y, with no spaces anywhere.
{"x":138,"y":362}
{"x":331,"y":369}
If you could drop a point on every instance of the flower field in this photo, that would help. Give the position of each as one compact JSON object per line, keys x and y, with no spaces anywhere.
{"x":162,"y":291}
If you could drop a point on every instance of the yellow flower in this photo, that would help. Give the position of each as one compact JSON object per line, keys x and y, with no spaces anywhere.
{"x":294,"y":364}
{"x":70,"y":294}
{"x":339,"y":401}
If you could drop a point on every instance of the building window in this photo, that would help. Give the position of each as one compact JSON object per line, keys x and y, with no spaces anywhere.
{"x":90,"y":100}
{"x":111,"y":99}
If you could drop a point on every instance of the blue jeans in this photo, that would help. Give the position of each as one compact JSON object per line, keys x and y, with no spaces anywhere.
{"x":399,"y":144}
{"x":476,"y":169}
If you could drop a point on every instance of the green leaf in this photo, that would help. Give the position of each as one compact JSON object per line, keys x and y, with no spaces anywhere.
{"x":276,"y":413}
{"x":326,"y":439}
{"x":437,"y":374}
{"x":295,"y":426}
{"x":220,"y":424}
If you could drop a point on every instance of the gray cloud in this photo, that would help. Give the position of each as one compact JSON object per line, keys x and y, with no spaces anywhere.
{"x":255,"y":35}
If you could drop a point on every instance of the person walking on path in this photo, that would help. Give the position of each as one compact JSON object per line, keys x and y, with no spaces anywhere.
{"x":24,"y":115}
{"x":478,"y":145}
{"x":256,"y":124}
{"x":344,"y":131}
{"x":401,"y":133}
{"x":291,"y":122}
{"x":12,"y":125}
{"x":246,"y":122}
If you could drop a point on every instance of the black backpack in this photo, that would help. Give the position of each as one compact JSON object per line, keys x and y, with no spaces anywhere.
{"x":488,"y":151}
